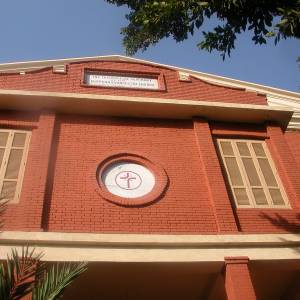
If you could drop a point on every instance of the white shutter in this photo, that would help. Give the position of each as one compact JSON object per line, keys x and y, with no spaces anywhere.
{"x":13,"y":154}
{"x":251,"y":173}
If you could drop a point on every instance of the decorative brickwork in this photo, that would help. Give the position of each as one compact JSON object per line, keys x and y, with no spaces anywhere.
{"x":59,"y":191}
{"x":71,"y":82}
{"x":161,"y":179}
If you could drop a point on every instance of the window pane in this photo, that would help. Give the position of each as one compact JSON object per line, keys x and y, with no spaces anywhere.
{"x":234,"y":172}
{"x":3,"y":138}
{"x":276,"y":197}
{"x":8,"y":189}
{"x":14,"y":163}
{"x":251,"y":171}
{"x":259,"y":196}
{"x":226,"y":148}
{"x":243,"y":149}
{"x":241,"y":196}
{"x":258,"y":149}
{"x":267,"y":172}
{"x":19,"y":139}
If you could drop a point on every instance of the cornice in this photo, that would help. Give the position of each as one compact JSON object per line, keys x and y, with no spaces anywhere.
{"x":292,"y":104}
{"x":215,"y":79}
{"x":59,"y":246}
{"x":139,"y":107}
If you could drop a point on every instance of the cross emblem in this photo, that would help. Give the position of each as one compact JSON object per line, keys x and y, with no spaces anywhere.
{"x":128,"y":177}
{"x":128,"y":180}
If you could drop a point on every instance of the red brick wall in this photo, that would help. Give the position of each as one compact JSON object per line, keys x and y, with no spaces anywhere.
{"x":46,"y":80}
{"x":59,"y":188}
{"x":277,"y":220}
{"x":269,"y":220}
{"x":213,"y":178}
{"x":60,"y":194}
{"x":84,"y":141}
{"x":293,"y":140}
{"x":27,"y":214}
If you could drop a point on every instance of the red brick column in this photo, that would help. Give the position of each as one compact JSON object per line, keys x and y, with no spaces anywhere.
{"x":285,"y":163}
{"x":37,"y":171}
{"x":214,"y":180}
{"x":238,"y":282}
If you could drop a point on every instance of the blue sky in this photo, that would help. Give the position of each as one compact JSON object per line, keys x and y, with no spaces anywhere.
{"x":49,"y":29}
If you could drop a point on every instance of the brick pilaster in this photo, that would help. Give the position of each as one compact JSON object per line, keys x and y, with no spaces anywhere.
{"x":214,"y":179}
{"x":238,"y":282}
{"x":41,"y":141}
{"x":285,"y":163}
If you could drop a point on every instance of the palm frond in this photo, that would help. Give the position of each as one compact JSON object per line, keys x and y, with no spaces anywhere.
{"x":17,"y":274}
{"x":54,"y":282}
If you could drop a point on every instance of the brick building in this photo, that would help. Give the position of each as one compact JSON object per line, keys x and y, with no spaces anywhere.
{"x":171,"y":183}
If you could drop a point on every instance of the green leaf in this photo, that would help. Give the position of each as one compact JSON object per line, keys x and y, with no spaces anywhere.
{"x":18,"y":273}
{"x":52,"y":285}
{"x":152,"y":21}
{"x":25,"y":273}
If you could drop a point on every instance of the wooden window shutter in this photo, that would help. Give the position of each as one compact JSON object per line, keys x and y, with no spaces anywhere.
{"x":251,"y":173}
{"x":13,"y":154}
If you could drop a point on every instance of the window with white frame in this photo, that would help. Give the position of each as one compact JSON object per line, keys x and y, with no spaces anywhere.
{"x":251,"y":174}
{"x":13,"y":154}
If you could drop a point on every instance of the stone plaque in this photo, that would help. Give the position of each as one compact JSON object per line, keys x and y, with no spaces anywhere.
{"x":121,"y":81}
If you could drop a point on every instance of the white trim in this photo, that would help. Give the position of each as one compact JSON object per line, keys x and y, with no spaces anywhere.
{"x":162,"y":255}
{"x":153,"y":248}
{"x":161,"y":240}
{"x":3,"y":167}
{"x":125,"y":106}
{"x":244,"y":176}
{"x":288,"y":99}
{"x":23,"y":165}
{"x":224,"y":81}
{"x":292,"y":104}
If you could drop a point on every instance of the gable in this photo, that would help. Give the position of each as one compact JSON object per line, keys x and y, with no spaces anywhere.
{"x":70,"y":79}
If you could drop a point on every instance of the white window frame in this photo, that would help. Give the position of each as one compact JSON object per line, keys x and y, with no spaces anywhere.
{"x":5,"y":159}
{"x":246,"y":183}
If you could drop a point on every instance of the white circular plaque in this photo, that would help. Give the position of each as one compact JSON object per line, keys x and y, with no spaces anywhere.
{"x":128,"y":179}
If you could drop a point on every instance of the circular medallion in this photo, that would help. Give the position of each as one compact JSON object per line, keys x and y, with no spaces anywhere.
{"x":127,"y":179}
{"x":130,"y":179}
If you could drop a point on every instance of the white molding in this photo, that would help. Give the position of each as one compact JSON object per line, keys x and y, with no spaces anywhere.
{"x":125,"y":106}
{"x":215,"y":79}
{"x":60,"y":69}
{"x":292,"y":104}
{"x":286,"y":98}
{"x":170,"y":240}
{"x":153,"y":248}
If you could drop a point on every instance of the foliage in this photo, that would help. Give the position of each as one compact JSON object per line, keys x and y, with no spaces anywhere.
{"x":52,"y":285}
{"x":150,"y":21}
{"x":26,"y":273}
{"x":17,"y":275}
{"x":21,"y":275}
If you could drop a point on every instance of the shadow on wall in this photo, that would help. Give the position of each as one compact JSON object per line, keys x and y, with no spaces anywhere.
{"x":284,"y":223}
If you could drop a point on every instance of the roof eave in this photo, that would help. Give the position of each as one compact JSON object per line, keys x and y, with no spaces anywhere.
{"x":215,"y":79}
{"x":138,"y":107}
